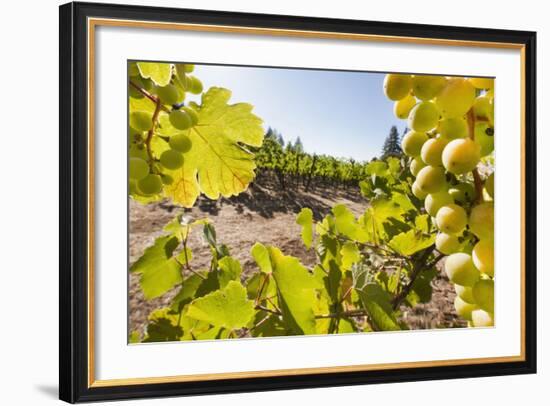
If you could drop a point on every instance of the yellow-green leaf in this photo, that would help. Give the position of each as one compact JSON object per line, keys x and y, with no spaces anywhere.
{"x":296,"y":288}
{"x":158,"y":268}
{"x":160,"y":73}
{"x":227,"y":307}
{"x":305,"y":219}
{"x":411,"y":242}
{"x":261,"y":256}
{"x":217,"y":163}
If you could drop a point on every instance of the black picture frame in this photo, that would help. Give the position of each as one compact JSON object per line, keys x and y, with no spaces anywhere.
{"x":73,"y":283}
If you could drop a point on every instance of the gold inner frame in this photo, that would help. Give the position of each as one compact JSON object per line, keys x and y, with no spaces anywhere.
{"x":94,"y":22}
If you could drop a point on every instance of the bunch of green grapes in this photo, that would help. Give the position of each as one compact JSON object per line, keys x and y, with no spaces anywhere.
{"x":147,"y":172}
{"x":451,"y":121}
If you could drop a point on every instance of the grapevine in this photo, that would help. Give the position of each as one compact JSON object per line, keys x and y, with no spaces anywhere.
{"x":433,"y":204}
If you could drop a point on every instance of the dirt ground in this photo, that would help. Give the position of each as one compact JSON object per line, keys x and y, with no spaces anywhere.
{"x":267,"y":215}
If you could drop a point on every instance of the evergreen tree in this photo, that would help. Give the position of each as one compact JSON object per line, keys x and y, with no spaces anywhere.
{"x":280,"y":140}
{"x":392,"y":145}
{"x":298,"y":146}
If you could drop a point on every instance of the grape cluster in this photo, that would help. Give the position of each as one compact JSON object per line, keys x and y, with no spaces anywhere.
{"x":451,"y":122}
{"x":149,"y":173}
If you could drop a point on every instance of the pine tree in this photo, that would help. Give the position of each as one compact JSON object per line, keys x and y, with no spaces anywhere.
{"x":392,"y":145}
{"x":298,"y":146}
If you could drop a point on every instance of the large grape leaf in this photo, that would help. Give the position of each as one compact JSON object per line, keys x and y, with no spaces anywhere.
{"x":296,"y":288}
{"x":158,"y":268}
{"x":217,"y":163}
{"x":160,"y":73}
{"x":227,"y":307}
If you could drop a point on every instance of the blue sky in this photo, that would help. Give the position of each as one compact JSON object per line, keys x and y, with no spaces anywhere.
{"x":343,"y":114}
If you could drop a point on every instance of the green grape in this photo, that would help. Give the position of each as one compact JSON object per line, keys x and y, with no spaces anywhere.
{"x":170,"y":94}
{"x":432,"y":151}
{"x":447,"y":243}
{"x":180,"y":142}
{"x":423,"y":117}
{"x":412,"y":143}
{"x":426,"y":87}
{"x":166,"y":179}
{"x":138,"y":151}
{"x":453,"y":128}
{"x":180,"y":119}
{"x":133,"y":69}
{"x":483,"y":256}
{"x":145,"y":84}
{"x":194,"y":85}
{"x":141,"y":120}
{"x":463,"y":193}
{"x":431,"y":179}
{"x":397,"y":86}
{"x":402,"y":108}
{"x":461,"y":270}
{"x":434,"y":201}
{"x":456,"y":98}
{"x":484,"y":294}
{"x":451,"y":219}
{"x":192,"y":113}
{"x":482,"y":221}
{"x":484,"y":137}
{"x":482,"y":83}
{"x":150,"y":185}
{"x":461,"y":155}
{"x":171,"y":159}
{"x":481,"y":318}
{"x":490,"y":185}
{"x":132,"y":187}
{"x":465,"y":293}
{"x":138,"y":168}
{"x":464,"y":309}
{"x":419,"y":193}
{"x":482,"y":106}
{"x":188,"y":68}
{"x":416,"y":165}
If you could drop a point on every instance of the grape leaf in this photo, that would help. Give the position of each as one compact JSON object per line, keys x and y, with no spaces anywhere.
{"x":227,"y":307}
{"x":261,"y":256}
{"x":229,"y":270}
{"x":158,"y":268}
{"x":217,"y":163}
{"x":421,"y":291}
{"x":375,"y":300}
{"x":411,"y":242}
{"x":378,"y":168}
{"x":296,"y":288}
{"x":377,"y":304}
{"x":305,"y":219}
{"x":347,"y":225}
{"x":160,"y":73}
{"x":350,"y":255}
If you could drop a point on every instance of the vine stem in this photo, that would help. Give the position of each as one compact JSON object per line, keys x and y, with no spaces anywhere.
{"x":145,"y":93}
{"x":471,"y":132}
{"x":151,"y":132}
{"x":418,"y":266}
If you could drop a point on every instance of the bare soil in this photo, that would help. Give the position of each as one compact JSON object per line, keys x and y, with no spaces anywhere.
{"x":261,"y":214}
